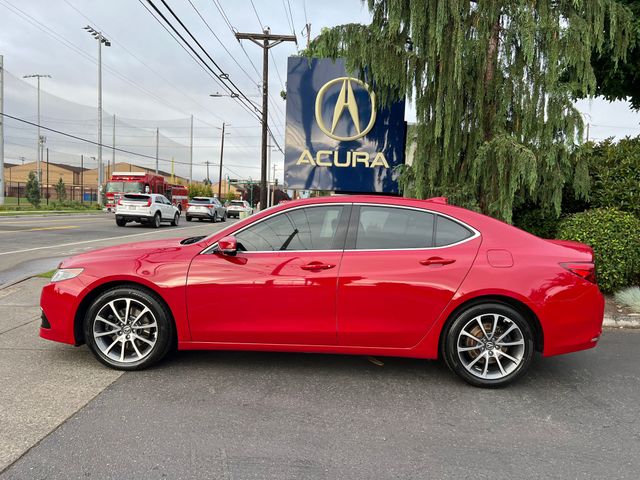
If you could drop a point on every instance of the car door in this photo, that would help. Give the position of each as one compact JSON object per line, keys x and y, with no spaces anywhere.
{"x":167,"y":208}
{"x":280,"y":287}
{"x":400,"y":268}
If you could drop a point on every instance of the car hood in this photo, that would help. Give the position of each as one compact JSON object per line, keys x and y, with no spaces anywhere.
{"x":127,"y":250}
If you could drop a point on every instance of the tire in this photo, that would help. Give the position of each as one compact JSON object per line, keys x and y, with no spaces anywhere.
{"x":121,"y":222}
{"x":224,"y":217}
{"x":502,"y":351}
{"x":157,"y":218}
{"x":145,"y":337}
{"x":214,"y":219}
{"x":188,"y":219}
{"x":176,"y":220}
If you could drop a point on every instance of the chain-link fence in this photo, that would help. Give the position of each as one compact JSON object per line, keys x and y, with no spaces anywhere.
{"x":16,"y":194}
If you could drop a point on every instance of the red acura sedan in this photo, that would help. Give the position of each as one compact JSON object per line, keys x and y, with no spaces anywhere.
{"x":362,"y":275}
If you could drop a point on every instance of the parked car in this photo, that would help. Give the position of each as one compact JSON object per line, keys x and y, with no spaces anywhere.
{"x":236,"y":207}
{"x":149,"y":208}
{"x":363,"y":275}
{"x":206,"y":208}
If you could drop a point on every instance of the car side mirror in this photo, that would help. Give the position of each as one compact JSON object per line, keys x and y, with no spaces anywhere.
{"x":228,"y":245}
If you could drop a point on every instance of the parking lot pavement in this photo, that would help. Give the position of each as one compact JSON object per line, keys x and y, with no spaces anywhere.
{"x":42,"y":383}
{"x":31,"y":245}
{"x":264,"y":415}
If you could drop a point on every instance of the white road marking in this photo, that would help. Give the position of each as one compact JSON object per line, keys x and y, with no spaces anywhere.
{"x":94,"y":241}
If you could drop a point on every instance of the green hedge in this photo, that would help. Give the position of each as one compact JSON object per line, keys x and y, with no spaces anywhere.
{"x":536,"y":221}
{"x":615,"y":175}
{"x":615,"y":238}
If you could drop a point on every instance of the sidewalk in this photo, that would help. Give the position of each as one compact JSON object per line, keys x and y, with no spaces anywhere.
{"x":43,"y":383}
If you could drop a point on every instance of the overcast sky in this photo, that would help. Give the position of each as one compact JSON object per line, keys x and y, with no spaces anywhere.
{"x":149,"y":81}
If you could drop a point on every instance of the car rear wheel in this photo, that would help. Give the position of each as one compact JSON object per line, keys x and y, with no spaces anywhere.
{"x":188,"y":219}
{"x":128,"y":329}
{"x":224,"y":217}
{"x":121,"y":222}
{"x":489,"y":345}
{"x":156,"y":220}
{"x":176,"y":220}
{"x":214,"y":219}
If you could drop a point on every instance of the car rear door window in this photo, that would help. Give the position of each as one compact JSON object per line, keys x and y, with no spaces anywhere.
{"x":393,"y":228}
{"x":310,"y":228}
{"x":449,"y":232}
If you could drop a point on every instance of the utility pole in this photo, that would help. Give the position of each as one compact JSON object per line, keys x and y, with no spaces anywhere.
{"x":266,"y":41}
{"x":207,"y":163}
{"x":157,"y":147}
{"x":113,"y":150}
{"x":307,"y":29}
{"x":1,"y":130}
{"x":221,"y":155}
{"x":191,"y":153}
{"x":273,"y":190}
{"x":101,"y":40}
{"x":38,"y":76}
{"x":82,"y":178}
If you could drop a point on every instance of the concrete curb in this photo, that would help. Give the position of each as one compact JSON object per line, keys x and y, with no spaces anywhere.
{"x":622,"y":321}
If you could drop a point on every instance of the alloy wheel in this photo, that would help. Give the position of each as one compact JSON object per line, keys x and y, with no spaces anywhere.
{"x":490,"y":346}
{"x":125,"y":330}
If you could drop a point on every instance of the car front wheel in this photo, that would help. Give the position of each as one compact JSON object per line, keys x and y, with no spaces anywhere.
{"x":156,"y":220}
{"x":127,"y":328}
{"x":489,"y":345}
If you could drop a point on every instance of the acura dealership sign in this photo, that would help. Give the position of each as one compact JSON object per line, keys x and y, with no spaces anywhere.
{"x":337,"y":136}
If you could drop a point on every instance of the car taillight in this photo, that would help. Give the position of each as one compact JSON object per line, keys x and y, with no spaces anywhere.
{"x":149,"y":203}
{"x":209,"y":207}
{"x":586,"y":270}
{"x":119,"y":201}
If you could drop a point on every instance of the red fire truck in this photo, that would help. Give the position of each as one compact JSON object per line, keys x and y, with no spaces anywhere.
{"x":141,"y":182}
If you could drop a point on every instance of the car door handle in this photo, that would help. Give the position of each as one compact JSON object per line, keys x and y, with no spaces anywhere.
{"x":317,"y":266}
{"x":437,"y":261}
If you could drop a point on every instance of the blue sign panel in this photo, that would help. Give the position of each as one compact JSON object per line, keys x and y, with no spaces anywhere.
{"x":337,"y":136}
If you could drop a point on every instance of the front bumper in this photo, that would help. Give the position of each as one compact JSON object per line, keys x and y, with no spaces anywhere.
{"x":59,"y":302}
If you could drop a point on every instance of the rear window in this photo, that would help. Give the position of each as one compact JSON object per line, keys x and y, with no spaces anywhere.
{"x":449,"y":232}
{"x":136,"y":198}
{"x":237,"y":203}
{"x":200,"y":201}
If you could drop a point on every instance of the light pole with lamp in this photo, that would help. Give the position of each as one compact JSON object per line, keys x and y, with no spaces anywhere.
{"x":101,"y":40}
{"x":39,"y":139}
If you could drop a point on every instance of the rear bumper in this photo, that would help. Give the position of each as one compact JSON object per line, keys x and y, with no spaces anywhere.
{"x":199,"y":215}
{"x":573,"y":325}
{"x":133,"y":217}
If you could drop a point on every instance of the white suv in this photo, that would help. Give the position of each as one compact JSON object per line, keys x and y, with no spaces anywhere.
{"x":151,"y":208}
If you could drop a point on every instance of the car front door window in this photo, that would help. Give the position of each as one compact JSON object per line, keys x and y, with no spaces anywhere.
{"x":311,"y":228}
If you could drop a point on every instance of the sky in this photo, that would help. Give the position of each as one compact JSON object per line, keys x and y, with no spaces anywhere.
{"x":150,"y":82}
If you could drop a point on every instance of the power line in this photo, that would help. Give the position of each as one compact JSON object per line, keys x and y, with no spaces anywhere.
{"x":155,"y":72}
{"x":59,"y":38}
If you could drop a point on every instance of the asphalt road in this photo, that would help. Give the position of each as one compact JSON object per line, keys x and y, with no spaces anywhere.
{"x":31,"y":245}
{"x":261,"y":415}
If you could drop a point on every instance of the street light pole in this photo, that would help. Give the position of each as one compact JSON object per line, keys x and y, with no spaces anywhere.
{"x":101,"y":40}
{"x":221,"y":157}
{"x":38,"y":76}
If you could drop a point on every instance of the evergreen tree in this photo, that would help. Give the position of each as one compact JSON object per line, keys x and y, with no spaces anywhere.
{"x":493,"y":83}
{"x":61,"y":190}
{"x":32,"y":190}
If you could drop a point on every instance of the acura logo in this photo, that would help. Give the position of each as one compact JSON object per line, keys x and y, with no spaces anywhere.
{"x":346,"y":101}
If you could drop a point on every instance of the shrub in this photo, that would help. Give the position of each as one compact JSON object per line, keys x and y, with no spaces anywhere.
{"x":536,"y":221}
{"x":61,"y":190}
{"x":615,"y":175}
{"x":33,"y":190}
{"x":615,"y":238}
{"x":199,"y":190}
{"x":630,"y":297}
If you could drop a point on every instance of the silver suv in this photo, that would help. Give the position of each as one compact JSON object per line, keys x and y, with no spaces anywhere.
{"x":206,"y":208}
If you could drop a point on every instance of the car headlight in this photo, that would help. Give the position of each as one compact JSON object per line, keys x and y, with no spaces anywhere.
{"x":66,"y":274}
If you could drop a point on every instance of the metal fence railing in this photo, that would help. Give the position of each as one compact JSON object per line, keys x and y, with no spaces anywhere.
{"x":16,"y":194}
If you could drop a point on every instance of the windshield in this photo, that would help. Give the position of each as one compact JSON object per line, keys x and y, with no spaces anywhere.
{"x":124,"y":187}
{"x":201,"y":201}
